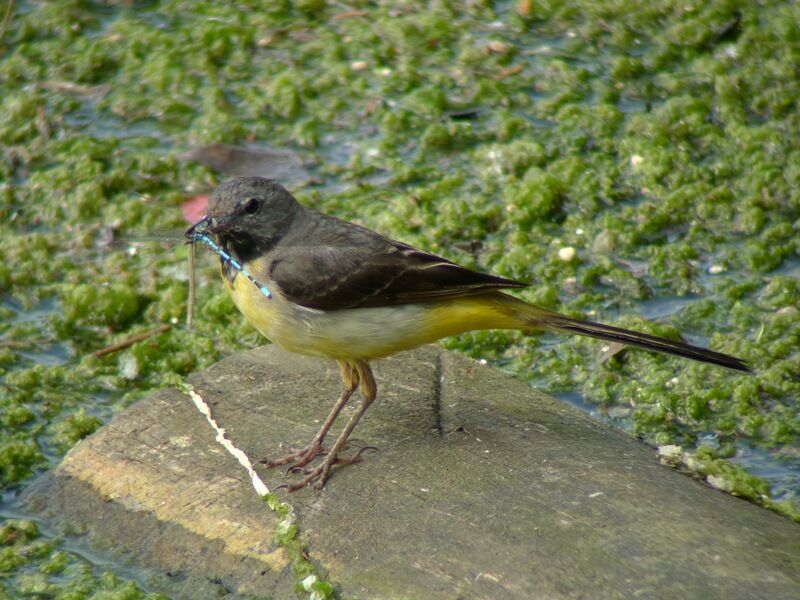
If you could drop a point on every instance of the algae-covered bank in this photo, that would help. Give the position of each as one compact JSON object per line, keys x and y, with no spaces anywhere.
{"x":638,"y":163}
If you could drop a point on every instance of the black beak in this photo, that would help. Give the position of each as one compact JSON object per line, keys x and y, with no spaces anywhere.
{"x":202,"y":227}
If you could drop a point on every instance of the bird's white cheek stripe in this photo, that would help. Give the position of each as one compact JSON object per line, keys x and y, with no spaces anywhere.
{"x":259,"y":485}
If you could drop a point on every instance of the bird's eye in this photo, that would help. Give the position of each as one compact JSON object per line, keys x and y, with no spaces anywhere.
{"x":251,"y":206}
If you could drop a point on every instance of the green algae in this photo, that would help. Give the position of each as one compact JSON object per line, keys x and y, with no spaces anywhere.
{"x":659,"y":141}
{"x":286,"y":534}
{"x":32,"y":565}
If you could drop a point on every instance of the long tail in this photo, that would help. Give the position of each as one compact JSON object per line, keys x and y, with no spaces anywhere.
{"x":540,"y":318}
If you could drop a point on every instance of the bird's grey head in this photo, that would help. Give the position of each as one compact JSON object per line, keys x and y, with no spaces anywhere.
{"x":249,"y":215}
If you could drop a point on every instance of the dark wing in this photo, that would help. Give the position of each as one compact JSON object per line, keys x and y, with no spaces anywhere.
{"x":366,"y":270}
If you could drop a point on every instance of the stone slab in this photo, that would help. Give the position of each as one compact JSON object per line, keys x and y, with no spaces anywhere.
{"x":481,"y":488}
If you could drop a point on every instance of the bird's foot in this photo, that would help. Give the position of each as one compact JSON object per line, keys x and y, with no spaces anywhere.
{"x":299,"y":459}
{"x":321,"y":473}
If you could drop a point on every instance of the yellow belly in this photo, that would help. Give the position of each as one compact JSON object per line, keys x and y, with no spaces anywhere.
{"x":365,"y":333}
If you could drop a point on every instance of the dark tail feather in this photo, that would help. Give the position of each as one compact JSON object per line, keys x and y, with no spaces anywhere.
{"x":643,"y":340}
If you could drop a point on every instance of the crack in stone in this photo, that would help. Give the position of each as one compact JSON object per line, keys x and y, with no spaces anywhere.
{"x":223,"y":440}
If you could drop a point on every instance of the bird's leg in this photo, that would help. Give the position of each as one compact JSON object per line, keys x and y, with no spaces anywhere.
{"x":321,"y":473}
{"x":302,"y":457}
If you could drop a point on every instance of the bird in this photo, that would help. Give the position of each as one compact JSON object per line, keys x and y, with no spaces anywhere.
{"x":321,"y":286}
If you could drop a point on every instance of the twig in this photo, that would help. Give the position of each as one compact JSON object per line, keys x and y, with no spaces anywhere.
{"x":349,"y":15}
{"x":24,"y":343}
{"x":190,"y":301}
{"x":6,"y":18}
{"x":131,"y":341}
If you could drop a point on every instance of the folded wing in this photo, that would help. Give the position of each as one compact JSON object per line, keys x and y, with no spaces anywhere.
{"x":372,"y":271}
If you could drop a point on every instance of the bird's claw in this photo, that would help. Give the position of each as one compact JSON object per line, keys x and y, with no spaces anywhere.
{"x":300,"y":458}
{"x":321,"y":473}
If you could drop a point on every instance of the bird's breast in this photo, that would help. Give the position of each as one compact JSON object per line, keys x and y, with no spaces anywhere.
{"x":261,"y":312}
{"x":356,"y":333}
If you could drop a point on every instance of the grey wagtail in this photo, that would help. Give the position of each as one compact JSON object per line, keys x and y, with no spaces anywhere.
{"x":338,"y":290}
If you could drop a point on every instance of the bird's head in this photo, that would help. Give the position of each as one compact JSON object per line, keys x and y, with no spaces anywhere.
{"x":249,"y":215}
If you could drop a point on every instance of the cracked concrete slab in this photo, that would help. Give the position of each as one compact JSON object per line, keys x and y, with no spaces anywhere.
{"x":481,"y":488}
